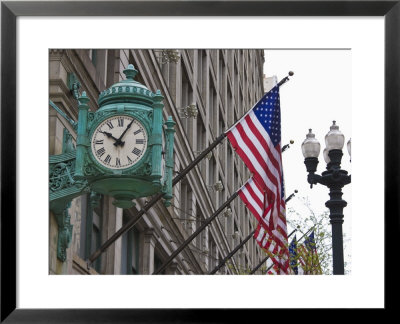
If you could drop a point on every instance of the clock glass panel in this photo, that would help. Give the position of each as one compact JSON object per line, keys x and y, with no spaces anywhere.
{"x":119,"y":142}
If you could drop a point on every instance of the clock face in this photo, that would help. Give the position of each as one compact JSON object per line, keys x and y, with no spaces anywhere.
{"x":119,"y":142}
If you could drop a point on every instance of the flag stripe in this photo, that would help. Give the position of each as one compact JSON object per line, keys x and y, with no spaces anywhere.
{"x":251,"y":194}
{"x":262,"y":154}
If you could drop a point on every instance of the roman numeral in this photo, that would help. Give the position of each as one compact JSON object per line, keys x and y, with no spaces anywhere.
{"x":129,"y":160}
{"x":110,"y":125}
{"x":137,"y":132}
{"x":99,"y":142}
{"x":117,"y":162}
{"x":140,"y":141}
{"x":120,"y":121}
{"x":136,"y":151}
{"x":101,"y":151}
{"x":107,"y":159}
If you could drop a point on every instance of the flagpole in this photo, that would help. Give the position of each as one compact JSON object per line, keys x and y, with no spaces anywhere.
{"x":241,"y":244}
{"x":157,"y":197}
{"x":266,"y":258}
{"x":291,"y":196}
{"x":200,"y":229}
{"x":219,"y":266}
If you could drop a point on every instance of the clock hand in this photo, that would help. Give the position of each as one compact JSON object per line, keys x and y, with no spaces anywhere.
{"x":119,"y":142}
{"x":109,"y":135}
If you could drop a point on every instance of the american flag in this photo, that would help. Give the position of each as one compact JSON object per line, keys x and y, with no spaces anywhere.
{"x":273,"y":241}
{"x":274,"y":270}
{"x":257,"y":139}
{"x":308,"y":257}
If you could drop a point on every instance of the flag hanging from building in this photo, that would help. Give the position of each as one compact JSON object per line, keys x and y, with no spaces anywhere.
{"x":257,"y":139}
{"x":293,"y":256}
{"x":274,"y":270}
{"x":273,"y":241}
{"x":308,"y":256}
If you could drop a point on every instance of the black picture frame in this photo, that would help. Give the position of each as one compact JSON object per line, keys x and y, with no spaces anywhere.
{"x":11,"y":10}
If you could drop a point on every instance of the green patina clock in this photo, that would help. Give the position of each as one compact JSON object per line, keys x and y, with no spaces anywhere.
{"x":123,"y":150}
{"x":119,"y":142}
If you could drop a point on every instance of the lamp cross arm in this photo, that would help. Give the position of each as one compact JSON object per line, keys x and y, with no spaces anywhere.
{"x":313,"y":179}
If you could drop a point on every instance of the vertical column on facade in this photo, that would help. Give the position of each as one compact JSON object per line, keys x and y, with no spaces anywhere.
{"x":176,"y":191}
{"x":172,"y":67}
{"x":192,"y":212}
{"x":206,"y":247}
{"x":74,"y":212}
{"x":148,"y":251}
{"x":118,"y":243}
{"x":110,"y":227}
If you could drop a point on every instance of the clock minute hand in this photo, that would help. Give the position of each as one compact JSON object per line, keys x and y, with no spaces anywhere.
{"x":119,"y":142}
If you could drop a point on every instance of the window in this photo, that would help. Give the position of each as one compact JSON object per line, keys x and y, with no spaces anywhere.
{"x":229,"y":168}
{"x":93,"y":56}
{"x":236,"y":84}
{"x":235,"y":238}
{"x":91,"y":226}
{"x":230,"y":107}
{"x":186,"y":100}
{"x":186,"y":211}
{"x":222,"y":78}
{"x":236,"y":187}
{"x":99,"y":59}
{"x":212,"y":105}
{"x":241,"y":107}
{"x":130,"y":251}
{"x":199,"y":222}
{"x":212,"y":252}
{"x":201,"y":70}
{"x":211,"y":178}
{"x":221,"y":124}
{"x":201,"y":143}
{"x":187,"y":90}
{"x":201,"y":135}
{"x":158,"y":263}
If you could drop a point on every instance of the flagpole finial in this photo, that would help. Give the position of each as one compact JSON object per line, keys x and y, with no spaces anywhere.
{"x":285,"y":79}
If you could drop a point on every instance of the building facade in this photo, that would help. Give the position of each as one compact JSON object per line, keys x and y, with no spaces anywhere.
{"x":205,"y":91}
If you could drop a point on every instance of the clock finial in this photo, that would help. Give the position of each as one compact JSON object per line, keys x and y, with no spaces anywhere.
{"x":130,"y":72}
{"x":83,"y":99}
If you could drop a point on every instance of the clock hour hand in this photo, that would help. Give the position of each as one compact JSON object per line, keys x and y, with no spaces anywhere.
{"x":119,"y":142}
{"x":109,"y":135}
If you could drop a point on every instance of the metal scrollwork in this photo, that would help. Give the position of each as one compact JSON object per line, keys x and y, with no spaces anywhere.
{"x":90,"y":170}
{"x":64,"y":233}
{"x":61,"y":175}
{"x":147,"y":169}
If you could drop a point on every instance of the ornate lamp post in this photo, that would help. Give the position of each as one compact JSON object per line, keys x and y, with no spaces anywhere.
{"x":334,"y":178}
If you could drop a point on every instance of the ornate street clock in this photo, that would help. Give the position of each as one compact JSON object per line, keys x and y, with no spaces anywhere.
{"x":123,"y":150}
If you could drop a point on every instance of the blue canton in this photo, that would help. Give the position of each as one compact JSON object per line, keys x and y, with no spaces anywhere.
{"x":282,"y":187}
{"x":293,"y":255}
{"x":309,"y":242}
{"x":268,"y":113}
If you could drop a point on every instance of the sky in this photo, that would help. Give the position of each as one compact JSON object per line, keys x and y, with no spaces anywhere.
{"x":318,"y":93}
